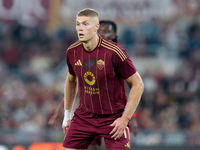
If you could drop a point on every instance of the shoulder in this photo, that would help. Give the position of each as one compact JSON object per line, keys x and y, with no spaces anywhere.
{"x":106,"y":41}
{"x":114,"y":48}
{"x":74,"y":45}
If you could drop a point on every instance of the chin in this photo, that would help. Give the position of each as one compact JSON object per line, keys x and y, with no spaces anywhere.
{"x":82,"y":40}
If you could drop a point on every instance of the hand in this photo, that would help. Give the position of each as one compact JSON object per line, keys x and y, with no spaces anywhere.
{"x":119,"y":126}
{"x":53,"y":119}
{"x":66,"y":127}
{"x":133,"y":127}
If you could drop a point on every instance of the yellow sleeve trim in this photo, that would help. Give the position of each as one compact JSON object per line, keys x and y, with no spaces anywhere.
{"x":74,"y":45}
{"x":116,"y":49}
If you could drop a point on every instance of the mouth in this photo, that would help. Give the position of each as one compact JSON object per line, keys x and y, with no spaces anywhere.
{"x":81,"y":35}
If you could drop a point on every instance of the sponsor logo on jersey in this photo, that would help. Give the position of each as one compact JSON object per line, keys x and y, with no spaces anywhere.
{"x":89,"y":78}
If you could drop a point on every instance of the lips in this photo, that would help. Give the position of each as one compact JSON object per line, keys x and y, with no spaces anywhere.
{"x":81,"y":35}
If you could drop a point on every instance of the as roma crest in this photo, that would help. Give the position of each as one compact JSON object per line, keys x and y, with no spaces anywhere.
{"x":100,"y":64}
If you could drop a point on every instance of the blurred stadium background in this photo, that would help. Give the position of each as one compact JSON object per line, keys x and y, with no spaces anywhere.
{"x":161,"y":37}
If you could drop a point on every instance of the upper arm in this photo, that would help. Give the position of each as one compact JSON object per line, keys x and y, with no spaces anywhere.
{"x":71,"y":78}
{"x":135,"y":80}
{"x":123,"y":65}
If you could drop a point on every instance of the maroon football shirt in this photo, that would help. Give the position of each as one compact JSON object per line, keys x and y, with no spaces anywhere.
{"x":100,"y":74}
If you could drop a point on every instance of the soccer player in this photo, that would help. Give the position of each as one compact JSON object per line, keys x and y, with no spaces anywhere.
{"x":98,"y":67}
{"x":108,"y":30}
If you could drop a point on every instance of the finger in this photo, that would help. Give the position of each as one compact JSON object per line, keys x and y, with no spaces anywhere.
{"x":113,"y":130}
{"x":64,"y":129}
{"x":117,"y":135}
{"x":114,"y":136}
{"x":113,"y":124}
{"x":68,"y":122}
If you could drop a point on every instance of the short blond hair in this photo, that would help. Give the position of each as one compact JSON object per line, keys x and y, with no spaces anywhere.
{"x":88,"y":12}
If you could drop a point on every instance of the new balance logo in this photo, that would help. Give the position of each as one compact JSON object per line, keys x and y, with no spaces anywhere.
{"x":78,"y":63}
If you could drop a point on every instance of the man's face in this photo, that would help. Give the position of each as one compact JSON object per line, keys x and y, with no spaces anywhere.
{"x":106,"y":31}
{"x":86,"y":28}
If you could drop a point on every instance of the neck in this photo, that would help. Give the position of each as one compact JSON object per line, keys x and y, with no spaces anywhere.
{"x":91,"y":44}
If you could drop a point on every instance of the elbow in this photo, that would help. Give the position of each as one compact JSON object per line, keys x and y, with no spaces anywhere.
{"x":140,"y":86}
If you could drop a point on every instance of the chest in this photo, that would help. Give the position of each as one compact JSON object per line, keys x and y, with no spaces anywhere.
{"x":97,"y":63}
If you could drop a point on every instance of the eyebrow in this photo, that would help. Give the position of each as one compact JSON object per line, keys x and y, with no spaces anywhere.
{"x":82,"y":21}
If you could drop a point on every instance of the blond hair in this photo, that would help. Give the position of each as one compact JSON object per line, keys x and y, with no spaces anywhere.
{"x":88,"y":12}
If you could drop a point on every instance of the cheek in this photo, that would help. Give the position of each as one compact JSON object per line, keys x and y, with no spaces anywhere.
{"x":91,"y":31}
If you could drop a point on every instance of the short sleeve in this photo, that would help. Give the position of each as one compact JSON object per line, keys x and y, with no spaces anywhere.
{"x":123,"y":66}
{"x":69,"y":60}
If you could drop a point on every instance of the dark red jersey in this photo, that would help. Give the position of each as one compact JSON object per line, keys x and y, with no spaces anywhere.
{"x":100,"y":74}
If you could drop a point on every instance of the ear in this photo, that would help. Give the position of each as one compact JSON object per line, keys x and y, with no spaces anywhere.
{"x":97,"y":27}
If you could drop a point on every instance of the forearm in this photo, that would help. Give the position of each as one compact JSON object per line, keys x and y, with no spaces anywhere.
{"x":134,"y":97}
{"x":70,"y":92}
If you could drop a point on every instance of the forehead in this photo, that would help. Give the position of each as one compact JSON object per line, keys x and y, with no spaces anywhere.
{"x":83,"y":19}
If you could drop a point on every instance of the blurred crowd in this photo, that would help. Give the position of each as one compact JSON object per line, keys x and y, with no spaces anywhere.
{"x":33,"y":70}
{"x":172,"y":96}
{"x":30,"y":63}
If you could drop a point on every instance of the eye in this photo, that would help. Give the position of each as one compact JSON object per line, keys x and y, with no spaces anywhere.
{"x":77,"y":24}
